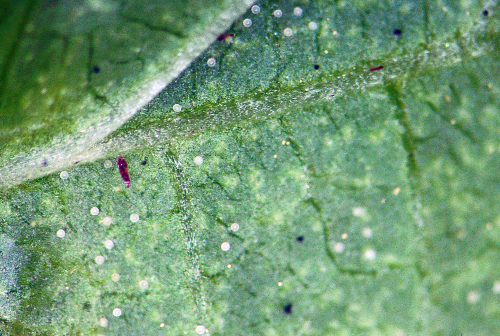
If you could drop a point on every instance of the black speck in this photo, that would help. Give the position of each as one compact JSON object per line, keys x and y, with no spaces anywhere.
{"x":44,"y":163}
{"x":96,"y":69}
{"x":300,"y":239}
{"x":486,"y":13}
{"x":144,"y":162}
{"x":287,"y":309}
{"x":87,"y":306}
{"x":397,"y":32}
{"x":316,"y":67}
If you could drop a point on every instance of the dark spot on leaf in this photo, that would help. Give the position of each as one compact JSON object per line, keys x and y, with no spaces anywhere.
{"x":485,"y":12}
{"x":287,"y":309}
{"x":52,"y":3}
{"x":44,"y":163}
{"x":87,"y":306}
{"x":300,"y":239}
{"x":316,"y":67}
{"x":96,"y":69}
{"x":144,"y":162}
{"x":397,"y":32}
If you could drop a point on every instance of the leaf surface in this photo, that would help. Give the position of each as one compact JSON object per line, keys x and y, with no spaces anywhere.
{"x":300,"y":190}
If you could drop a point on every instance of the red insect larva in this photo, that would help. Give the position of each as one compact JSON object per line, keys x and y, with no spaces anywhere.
{"x":122,"y":167}
{"x":380,"y":67}
{"x":223,"y":37}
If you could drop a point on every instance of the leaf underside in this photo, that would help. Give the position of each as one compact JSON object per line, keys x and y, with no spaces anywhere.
{"x":297,"y":192}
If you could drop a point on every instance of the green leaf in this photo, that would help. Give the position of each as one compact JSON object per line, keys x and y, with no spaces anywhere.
{"x":301,"y":189}
{"x":73,"y":73}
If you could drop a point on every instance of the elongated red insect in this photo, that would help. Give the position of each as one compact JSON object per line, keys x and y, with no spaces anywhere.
{"x":380,"y":67}
{"x":222,"y":37}
{"x":122,"y":167}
